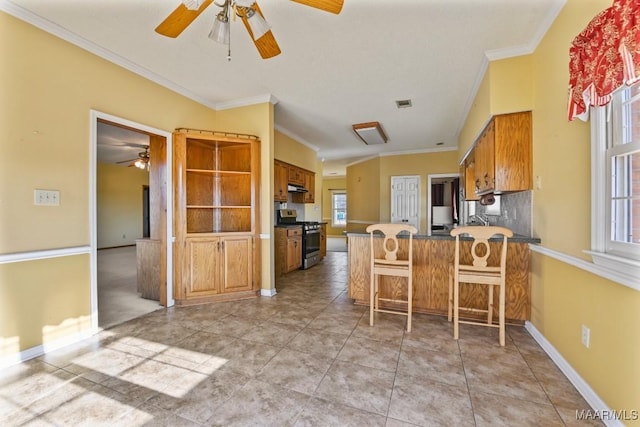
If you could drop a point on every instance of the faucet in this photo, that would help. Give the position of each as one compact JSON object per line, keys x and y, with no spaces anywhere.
{"x":481,"y":218}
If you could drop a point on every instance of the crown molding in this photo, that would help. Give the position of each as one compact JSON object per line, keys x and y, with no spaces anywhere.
{"x":496,"y":54}
{"x":529,"y":48}
{"x":254,"y":100}
{"x":422,"y":151}
{"x":296,"y":137}
{"x":403,"y":153}
{"x":66,"y":35}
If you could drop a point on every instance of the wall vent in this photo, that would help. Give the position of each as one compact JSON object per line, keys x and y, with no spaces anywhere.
{"x":403,"y":103}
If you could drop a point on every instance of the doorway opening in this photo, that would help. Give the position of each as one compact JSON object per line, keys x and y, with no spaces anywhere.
{"x":124,"y":248}
{"x":146,"y":217}
{"x":443,"y":202}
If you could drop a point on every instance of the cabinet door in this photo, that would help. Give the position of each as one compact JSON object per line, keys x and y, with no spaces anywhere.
{"x":309,"y":179}
{"x":310,"y":185}
{"x":490,"y":165}
{"x":295,"y":175}
{"x":294,"y":253}
{"x":280,"y":174}
{"x":513,"y":152}
{"x":467,"y":171}
{"x":236,"y":263}
{"x":201,"y":278}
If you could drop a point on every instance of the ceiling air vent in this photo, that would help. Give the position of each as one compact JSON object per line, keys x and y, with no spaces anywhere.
{"x":403,"y":103}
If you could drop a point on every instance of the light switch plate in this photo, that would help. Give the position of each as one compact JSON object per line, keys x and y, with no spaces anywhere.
{"x":46,"y":197}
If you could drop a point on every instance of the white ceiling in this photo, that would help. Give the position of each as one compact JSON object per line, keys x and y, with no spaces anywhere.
{"x":334,"y":70}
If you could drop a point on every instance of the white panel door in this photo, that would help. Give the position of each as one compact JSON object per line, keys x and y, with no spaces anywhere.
{"x":405,"y":200}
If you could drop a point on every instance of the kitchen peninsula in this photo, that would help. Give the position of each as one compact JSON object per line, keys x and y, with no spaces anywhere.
{"x":431,"y":258}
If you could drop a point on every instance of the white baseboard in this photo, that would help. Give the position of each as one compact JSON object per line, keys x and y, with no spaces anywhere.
{"x":268,"y":292}
{"x":39,"y":350}
{"x":604,"y":413}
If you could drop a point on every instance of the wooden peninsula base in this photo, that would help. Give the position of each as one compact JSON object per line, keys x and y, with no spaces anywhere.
{"x":431,"y":258}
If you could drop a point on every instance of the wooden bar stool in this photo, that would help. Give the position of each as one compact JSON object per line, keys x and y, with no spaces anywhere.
{"x":390,"y":265}
{"x":478,"y":272}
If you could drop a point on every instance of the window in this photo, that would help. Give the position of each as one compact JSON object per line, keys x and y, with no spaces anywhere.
{"x":338,"y":209}
{"x":616,"y":182}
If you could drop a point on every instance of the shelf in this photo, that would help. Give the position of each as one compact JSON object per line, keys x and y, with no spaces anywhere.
{"x":218,"y":219}
{"x":218,"y":172}
{"x":217,"y":207}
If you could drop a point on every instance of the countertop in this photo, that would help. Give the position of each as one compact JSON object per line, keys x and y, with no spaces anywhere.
{"x":444,"y":235}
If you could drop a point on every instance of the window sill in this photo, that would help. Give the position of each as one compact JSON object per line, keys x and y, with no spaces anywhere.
{"x":624,"y":270}
{"x":620,"y":270}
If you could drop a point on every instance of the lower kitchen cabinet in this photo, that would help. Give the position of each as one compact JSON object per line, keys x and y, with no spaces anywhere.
{"x":288,"y":248}
{"x":218,"y":265}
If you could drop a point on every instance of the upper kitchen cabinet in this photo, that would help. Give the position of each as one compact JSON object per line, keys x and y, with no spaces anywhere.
{"x":468,"y":178}
{"x":310,"y":186}
{"x":285,"y":174}
{"x":216,"y":215}
{"x":280,"y":176}
{"x":296,"y":175}
{"x":501,"y":158}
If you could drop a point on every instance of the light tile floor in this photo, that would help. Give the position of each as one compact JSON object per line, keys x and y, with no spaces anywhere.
{"x":306,"y":357}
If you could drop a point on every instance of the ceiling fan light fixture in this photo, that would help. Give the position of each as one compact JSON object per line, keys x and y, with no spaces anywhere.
{"x":221,"y":29}
{"x":370,"y":133}
{"x":259,"y":27}
{"x":142,"y":164}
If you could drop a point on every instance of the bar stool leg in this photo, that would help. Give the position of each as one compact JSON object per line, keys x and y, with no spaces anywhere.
{"x":409,"y":303}
{"x":501,"y":315}
{"x":372,"y":290}
{"x":450,"y":305}
{"x":456,"y":296}
{"x":490,"y":306}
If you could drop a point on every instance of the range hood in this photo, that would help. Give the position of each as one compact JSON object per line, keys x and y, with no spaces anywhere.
{"x":296,"y":189}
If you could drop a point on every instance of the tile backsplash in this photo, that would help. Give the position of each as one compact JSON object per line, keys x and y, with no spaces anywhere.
{"x":515,"y":212}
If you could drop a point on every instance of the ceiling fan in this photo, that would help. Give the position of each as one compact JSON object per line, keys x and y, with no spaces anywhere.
{"x":247,"y":10}
{"x":141,"y":162}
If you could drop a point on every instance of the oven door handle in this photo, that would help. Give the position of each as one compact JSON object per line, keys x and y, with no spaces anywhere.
{"x":312,"y":232}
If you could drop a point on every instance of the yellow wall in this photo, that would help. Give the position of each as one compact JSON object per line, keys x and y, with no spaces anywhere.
{"x":295,"y":153}
{"x":565,"y":297}
{"x":34,"y":311}
{"x":119,"y":204}
{"x":477,"y":118}
{"x":369,"y":185}
{"x":506,"y":88}
{"x":511,"y":88}
{"x":48,"y":88}
{"x":363,"y":189}
{"x":443,"y":162}
{"x":258,"y":120}
{"x":328,"y":184}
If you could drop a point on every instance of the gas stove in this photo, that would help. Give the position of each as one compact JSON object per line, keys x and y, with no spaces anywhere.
{"x":310,"y":236}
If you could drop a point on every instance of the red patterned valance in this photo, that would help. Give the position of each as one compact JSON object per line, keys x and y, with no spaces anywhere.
{"x":604,"y":56}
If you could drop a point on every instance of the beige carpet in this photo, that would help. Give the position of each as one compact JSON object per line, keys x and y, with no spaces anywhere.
{"x":118,"y":298}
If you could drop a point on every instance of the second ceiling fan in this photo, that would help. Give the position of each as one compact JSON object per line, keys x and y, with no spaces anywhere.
{"x":247,"y":10}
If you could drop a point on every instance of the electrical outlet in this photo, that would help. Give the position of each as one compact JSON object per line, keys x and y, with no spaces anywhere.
{"x":586,"y":336}
{"x":538,"y":182}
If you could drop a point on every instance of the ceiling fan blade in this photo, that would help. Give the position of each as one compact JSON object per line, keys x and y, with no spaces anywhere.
{"x":126,"y":161}
{"x":333,"y":6}
{"x":180,"y":19}
{"x":267,"y":45}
